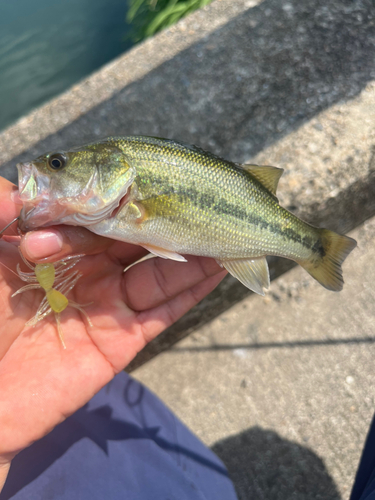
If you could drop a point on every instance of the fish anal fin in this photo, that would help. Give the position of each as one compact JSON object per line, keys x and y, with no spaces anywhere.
{"x":164,"y":254}
{"x":268,"y":176}
{"x":253,"y":273}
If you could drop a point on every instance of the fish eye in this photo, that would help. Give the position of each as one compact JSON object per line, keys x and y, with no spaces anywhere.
{"x":56,"y":161}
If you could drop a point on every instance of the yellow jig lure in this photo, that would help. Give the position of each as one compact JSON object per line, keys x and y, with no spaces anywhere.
{"x":53,"y":280}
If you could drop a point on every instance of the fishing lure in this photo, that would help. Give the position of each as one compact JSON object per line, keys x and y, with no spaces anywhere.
{"x":53,"y":280}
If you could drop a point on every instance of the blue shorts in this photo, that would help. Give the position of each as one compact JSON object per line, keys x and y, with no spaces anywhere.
{"x":124,"y":444}
{"x":364,"y":485}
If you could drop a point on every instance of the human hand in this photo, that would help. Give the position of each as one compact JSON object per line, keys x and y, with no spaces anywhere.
{"x":41,"y":384}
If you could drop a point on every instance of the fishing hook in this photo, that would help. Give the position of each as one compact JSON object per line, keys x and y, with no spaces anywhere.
{"x":6,"y":227}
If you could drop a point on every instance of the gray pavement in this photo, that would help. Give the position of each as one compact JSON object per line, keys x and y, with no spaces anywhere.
{"x":280,"y":387}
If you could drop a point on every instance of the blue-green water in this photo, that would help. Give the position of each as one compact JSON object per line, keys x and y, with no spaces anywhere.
{"x":48,"y":45}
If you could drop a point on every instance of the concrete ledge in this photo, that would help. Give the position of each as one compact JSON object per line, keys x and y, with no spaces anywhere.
{"x":283,"y":83}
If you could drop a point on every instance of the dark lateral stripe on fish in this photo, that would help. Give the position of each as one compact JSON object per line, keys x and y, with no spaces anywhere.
{"x":221,"y":206}
{"x":181,"y":199}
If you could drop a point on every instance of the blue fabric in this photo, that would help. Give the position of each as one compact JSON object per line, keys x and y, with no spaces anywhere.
{"x":364,"y":484}
{"x":124,"y":444}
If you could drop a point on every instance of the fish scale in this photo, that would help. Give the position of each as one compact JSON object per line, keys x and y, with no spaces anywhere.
{"x":241,"y":207}
{"x":176,"y":199}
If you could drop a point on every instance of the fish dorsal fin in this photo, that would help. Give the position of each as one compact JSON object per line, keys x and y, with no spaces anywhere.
{"x":253,"y":273}
{"x":268,"y":176}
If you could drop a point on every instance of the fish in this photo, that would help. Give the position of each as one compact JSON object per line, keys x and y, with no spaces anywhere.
{"x":175,"y":200}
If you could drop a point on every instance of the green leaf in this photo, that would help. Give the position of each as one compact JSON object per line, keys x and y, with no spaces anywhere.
{"x":147,"y":17}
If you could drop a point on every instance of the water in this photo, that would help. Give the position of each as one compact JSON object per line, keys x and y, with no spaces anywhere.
{"x":48,"y":45}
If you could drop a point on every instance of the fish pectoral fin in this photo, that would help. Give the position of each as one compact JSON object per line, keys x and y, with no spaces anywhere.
{"x":253,"y":273}
{"x":164,"y":254}
{"x":268,"y":176}
{"x":137,"y":210}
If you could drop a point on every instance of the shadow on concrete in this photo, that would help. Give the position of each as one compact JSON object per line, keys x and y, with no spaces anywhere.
{"x":277,"y":345}
{"x":108,"y":425}
{"x":238,"y":90}
{"x":263,"y":466}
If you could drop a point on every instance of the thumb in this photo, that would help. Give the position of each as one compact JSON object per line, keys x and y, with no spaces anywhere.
{"x":55,"y":243}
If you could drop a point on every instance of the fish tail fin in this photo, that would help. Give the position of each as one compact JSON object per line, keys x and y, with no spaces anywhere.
{"x":328,"y":255}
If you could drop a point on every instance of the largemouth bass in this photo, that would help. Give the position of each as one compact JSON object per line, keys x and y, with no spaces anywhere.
{"x":177,"y":200}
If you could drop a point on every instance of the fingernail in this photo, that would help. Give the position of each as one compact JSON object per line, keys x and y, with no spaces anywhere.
{"x":41,"y":244}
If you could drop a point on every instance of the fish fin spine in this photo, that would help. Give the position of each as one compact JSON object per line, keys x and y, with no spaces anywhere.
{"x":325,"y":263}
{"x":268,"y":176}
{"x":163,"y":253}
{"x":253,"y":273}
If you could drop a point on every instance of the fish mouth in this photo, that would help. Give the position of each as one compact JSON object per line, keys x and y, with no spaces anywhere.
{"x":33,"y":191}
{"x":45,"y":205}
{"x":34,"y":216}
{"x":32,"y":185}
{"x":26,"y":182}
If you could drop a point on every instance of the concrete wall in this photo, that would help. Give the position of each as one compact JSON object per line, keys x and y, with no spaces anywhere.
{"x":289,"y":83}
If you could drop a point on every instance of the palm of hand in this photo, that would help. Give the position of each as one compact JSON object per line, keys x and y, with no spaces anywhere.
{"x":41,"y":384}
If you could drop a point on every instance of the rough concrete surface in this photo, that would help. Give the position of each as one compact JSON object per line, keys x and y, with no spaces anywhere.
{"x":329,"y":181}
{"x":239,"y":78}
{"x":281,"y":387}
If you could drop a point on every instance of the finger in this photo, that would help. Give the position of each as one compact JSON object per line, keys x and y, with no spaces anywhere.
{"x":56,"y":243}
{"x":126,"y":253}
{"x":9,"y":209}
{"x":156,"y":320}
{"x":153,"y":282}
{"x":14,"y":311}
{"x":52,"y":244}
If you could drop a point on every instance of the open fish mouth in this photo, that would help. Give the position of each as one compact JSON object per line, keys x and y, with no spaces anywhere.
{"x":27,"y":186}
{"x":41,"y":215}
{"x":44,"y":206}
{"x":33,"y":191}
{"x":33,"y":186}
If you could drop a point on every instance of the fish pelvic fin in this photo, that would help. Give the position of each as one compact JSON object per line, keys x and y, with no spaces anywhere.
{"x":253,"y":273}
{"x":164,"y":254}
{"x":268,"y":176}
{"x":325,"y":263}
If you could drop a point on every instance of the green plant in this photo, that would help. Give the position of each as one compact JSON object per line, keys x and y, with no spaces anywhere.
{"x":147,"y":17}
